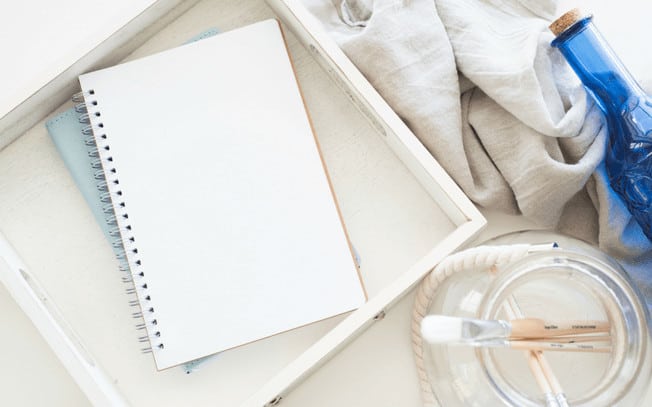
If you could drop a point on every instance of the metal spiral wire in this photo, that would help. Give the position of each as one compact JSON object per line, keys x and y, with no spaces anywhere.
{"x":116,"y":216}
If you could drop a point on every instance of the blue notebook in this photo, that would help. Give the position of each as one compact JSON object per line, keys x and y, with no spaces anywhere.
{"x":65,"y":130}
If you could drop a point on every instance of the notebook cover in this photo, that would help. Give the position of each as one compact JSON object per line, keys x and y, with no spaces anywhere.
{"x":229,"y":222}
{"x":65,"y":131}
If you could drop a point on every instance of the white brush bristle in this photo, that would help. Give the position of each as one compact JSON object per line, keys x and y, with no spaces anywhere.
{"x":441,"y":329}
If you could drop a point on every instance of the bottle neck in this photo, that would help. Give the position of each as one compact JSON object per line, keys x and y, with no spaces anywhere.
{"x":597,"y":66}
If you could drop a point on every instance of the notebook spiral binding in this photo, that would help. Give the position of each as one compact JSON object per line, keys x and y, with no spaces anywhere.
{"x":117,"y":217}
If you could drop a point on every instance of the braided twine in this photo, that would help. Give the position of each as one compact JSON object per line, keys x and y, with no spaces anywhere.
{"x":483,"y":258}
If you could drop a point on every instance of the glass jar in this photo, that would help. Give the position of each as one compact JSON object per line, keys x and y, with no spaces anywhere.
{"x":574,"y":281}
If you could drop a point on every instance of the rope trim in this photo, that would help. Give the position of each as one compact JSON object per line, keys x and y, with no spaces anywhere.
{"x":487,"y":258}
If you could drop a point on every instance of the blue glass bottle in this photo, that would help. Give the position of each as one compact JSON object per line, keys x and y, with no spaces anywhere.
{"x":627,"y":108}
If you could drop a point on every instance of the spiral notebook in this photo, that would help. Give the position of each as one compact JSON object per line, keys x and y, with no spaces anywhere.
{"x":225,"y":212}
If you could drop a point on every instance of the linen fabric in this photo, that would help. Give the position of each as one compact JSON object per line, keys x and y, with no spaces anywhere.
{"x":481,"y":87}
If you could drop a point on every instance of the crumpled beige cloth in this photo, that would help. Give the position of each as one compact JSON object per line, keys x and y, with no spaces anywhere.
{"x":499,"y":108}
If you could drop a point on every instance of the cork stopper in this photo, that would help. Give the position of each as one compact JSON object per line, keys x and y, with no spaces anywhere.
{"x":565,"y":21}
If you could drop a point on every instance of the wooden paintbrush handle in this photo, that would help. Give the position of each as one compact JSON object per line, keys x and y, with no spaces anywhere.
{"x":538,"y":328}
{"x":559,"y":347}
{"x":571,"y":339}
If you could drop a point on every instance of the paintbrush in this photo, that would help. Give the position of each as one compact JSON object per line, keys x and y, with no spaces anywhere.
{"x":527,"y":333}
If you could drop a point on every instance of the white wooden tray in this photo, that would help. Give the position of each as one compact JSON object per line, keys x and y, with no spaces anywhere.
{"x":465,"y":218}
{"x":47,"y":44}
{"x":402,"y":211}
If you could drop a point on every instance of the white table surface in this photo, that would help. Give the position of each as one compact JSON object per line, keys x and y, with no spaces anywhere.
{"x":58,"y":32}
{"x":375,"y":370}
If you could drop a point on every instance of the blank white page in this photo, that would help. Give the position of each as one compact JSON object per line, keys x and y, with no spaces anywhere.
{"x":234,"y":221}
